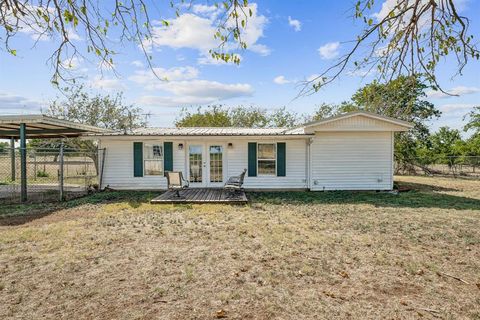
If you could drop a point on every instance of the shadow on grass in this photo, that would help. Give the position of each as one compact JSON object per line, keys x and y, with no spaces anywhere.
{"x":422,"y":196}
{"x":411,"y":199}
{"x":17,"y":214}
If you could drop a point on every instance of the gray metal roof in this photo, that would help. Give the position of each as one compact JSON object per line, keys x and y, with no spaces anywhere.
{"x":41,"y":126}
{"x":202,"y":131}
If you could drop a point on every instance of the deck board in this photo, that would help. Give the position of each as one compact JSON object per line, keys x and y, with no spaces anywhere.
{"x":201,"y":195}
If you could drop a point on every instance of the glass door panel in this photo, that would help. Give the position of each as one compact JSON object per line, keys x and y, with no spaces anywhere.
{"x":216,"y":164}
{"x":195,"y":155}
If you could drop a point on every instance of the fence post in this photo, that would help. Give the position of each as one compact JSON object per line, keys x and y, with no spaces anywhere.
{"x":102,"y":167}
{"x":23,"y":161}
{"x":12,"y":157}
{"x":60,"y":175}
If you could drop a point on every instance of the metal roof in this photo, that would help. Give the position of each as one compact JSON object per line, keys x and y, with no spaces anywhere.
{"x":41,"y":126}
{"x":236,"y":131}
{"x":203,"y":131}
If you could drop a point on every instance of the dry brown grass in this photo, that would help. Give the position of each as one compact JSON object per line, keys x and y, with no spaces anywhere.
{"x":336,"y":256}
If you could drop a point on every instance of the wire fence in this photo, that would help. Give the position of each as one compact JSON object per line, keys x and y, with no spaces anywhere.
{"x":454,"y":166}
{"x":51,"y":174}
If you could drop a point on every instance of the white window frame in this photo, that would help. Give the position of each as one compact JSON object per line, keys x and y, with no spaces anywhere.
{"x":161,"y":160}
{"x":274,"y":159}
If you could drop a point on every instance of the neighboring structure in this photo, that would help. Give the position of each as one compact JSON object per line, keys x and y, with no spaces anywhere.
{"x":352,"y":151}
{"x":23,"y":127}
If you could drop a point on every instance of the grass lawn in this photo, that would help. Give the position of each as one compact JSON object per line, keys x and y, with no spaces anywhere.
{"x":333,"y":255}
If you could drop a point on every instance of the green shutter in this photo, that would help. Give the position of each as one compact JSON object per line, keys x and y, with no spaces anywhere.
{"x":138,"y":159}
{"x":252,"y":159}
{"x":281,"y":159}
{"x":168,"y":156}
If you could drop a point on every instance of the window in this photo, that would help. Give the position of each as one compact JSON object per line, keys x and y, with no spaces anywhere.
{"x":266,"y":158}
{"x":153,"y":159}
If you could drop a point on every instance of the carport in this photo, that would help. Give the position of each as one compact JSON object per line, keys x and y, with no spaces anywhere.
{"x":23,"y":127}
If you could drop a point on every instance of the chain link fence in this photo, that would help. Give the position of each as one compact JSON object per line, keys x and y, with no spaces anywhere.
{"x":52,"y":174}
{"x":454,"y":166}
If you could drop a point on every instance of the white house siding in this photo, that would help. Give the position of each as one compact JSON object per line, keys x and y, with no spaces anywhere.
{"x":355,"y":123}
{"x":296,"y":165}
{"x":118,"y":168}
{"x":352,"y":161}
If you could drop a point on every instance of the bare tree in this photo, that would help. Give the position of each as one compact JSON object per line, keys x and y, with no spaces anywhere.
{"x":132,"y":20}
{"x":408,"y":38}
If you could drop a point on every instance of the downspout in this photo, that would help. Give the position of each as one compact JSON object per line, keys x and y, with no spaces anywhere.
{"x":308,"y":163}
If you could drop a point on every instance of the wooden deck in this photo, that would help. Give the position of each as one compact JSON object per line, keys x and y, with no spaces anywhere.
{"x":201,"y":195}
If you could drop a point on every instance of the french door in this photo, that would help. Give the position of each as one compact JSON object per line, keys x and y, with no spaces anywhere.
{"x":206,"y":164}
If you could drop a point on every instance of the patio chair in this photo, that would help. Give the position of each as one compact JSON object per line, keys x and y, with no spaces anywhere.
{"x":176,"y":182}
{"x":235,"y":183}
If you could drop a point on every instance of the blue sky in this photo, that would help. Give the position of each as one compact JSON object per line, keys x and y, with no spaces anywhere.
{"x":289,"y":41}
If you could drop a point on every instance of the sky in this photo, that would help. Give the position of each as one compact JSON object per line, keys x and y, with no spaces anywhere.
{"x":288,"y":42}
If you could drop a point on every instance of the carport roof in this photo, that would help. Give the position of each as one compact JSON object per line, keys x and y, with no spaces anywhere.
{"x":41,"y":126}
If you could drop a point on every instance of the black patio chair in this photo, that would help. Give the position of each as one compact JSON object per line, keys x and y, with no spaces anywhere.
{"x":176,"y":182}
{"x":235,"y":184}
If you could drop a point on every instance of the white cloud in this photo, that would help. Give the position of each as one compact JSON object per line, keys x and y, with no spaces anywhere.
{"x":195,"y":92}
{"x":182,"y":87}
{"x":73,"y":35}
{"x":156,"y":78}
{"x":14,"y":104}
{"x":205,"y":9}
{"x":295,"y":24}
{"x":137,"y":63}
{"x":186,"y":31}
{"x":329,"y":50}
{"x":456,"y":91}
{"x":196,"y":32}
{"x":280,"y":80}
{"x":108,"y":84}
{"x":72,"y":63}
{"x":261,"y":49}
{"x":462,"y":108}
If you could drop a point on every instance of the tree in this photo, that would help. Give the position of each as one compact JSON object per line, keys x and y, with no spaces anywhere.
{"x":406,"y":38}
{"x":213,"y":116}
{"x":109,"y":112}
{"x":283,"y":118}
{"x":324,"y":111}
{"x":447,"y":145}
{"x":247,"y":117}
{"x":473,"y":120}
{"x":402,"y":98}
{"x":4,"y":146}
{"x":97,"y":22}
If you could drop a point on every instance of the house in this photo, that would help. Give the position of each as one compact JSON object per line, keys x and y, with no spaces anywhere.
{"x":352,"y":151}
